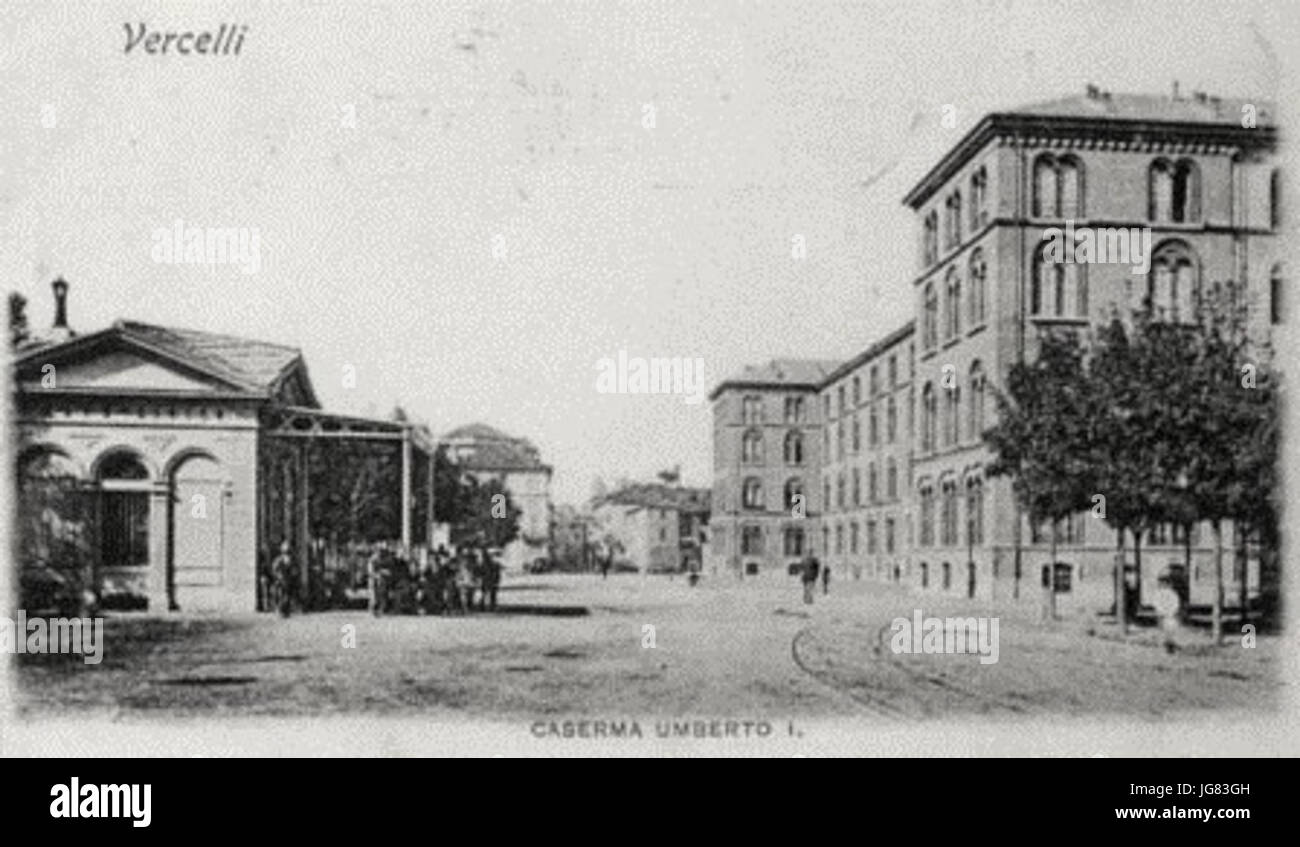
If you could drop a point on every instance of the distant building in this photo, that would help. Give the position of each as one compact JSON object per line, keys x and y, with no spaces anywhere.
{"x":767,"y":463}
{"x":487,"y":453}
{"x":653,"y":527}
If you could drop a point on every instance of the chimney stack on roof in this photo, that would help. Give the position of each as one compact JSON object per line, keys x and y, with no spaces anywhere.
{"x":60,"y":332}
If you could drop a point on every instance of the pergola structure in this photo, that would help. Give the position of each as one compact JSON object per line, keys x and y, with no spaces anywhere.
{"x":289,"y":434}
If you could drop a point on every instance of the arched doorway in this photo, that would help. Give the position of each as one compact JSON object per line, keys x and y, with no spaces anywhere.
{"x":197,"y":529}
{"x":124,"y":490}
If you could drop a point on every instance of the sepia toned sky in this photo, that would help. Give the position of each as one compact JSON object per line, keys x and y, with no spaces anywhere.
{"x":525,"y":127}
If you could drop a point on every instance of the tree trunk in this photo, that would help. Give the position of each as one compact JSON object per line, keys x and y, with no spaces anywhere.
{"x":1137,"y":573}
{"x":1121,"y":613}
{"x":1216,"y":615}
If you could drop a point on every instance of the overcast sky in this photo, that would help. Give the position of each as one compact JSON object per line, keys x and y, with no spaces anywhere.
{"x":524,"y":127}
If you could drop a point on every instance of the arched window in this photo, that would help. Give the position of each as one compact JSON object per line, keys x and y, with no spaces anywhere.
{"x":857,"y":434}
{"x":948,"y":523}
{"x":978,"y":291}
{"x":751,"y":447}
{"x":752,"y":494}
{"x":930,"y":239}
{"x":1045,"y":200}
{"x":793,"y":489}
{"x":925,"y":575}
{"x":947,"y":575}
{"x":1275,"y":198}
{"x":794,"y":447}
{"x":891,"y":419}
{"x":752,"y":410}
{"x":1069,"y":175}
{"x":1058,"y":289}
{"x":930,"y":319}
{"x":952,"y":313}
{"x":124,"y":511}
{"x":1175,"y":191}
{"x":857,"y":487}
{"x":839,"y":490}
{"x":975,"y":424}
{"x":1173,"y":284}
{"x":873,"y":426}
{"x":873,"y":485}
{"x":891,"y":478}
{"x":954,"y":219}
{"x":952,"y":416}
{"x":1275,"y":295}
{"x":979,"y":186}
{"x":1058,"y":187}
{"x":927,"y":417}
{"x":927,"y":515}
{"x":974,"y":510}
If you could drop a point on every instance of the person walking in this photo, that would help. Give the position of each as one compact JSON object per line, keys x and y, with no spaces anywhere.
{"x":811,"y":568}
{"x":1167,"y":604}
{"x":826,"y":580}
{"x":377,"y":571}
{"x":465,"y":580}
{"x":491,"y":581}
{"x":282,"y":578}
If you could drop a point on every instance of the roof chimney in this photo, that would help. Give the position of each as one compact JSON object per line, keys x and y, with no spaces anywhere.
{"x":60,"y":331}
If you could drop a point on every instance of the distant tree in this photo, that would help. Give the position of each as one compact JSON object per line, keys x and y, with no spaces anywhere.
{"x":18,"y":329}
{"x":490,"y":515}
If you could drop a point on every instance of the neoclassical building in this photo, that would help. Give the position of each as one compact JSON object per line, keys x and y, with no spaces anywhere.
{"x":163,"y":466}
{"x":1196,"y":172}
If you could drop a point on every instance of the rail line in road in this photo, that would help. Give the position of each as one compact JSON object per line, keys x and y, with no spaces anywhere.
{"x":879,"y":705}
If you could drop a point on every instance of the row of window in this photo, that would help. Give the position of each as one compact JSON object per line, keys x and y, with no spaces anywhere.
{"x":876,"y":533}
{"x":873,"y":388}
{"x":853,"y":483}
{"x":875,"y":536}
{"x":977,"y":274}
{"x":952,"y":220}
{"x":937,"y":432}
{"x":946,"y":502}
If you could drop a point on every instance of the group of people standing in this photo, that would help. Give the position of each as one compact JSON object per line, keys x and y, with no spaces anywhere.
{"x":447,"y":584}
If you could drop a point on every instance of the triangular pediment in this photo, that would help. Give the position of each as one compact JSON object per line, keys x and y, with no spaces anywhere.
{"x":117,"y":365}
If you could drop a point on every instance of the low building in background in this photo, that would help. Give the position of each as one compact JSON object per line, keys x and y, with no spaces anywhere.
{"x":653,"y":527}
{"x":487,"y":453}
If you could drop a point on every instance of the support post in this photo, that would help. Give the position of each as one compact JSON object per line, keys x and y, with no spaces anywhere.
{"x":406,"y":488}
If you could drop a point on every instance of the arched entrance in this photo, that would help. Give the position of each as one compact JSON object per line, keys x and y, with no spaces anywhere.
{"x":197,"y":531}
{"x":124,"y":491}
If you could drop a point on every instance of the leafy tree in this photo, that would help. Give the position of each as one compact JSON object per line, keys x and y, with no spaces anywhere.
{"x":1040,"y":438}
{"x":490,"y":515}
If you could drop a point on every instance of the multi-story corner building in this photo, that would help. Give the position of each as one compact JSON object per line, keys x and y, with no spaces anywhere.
{"x":866,"y":465}
{"x":767,"y":459}
{"x":1195,"y":173}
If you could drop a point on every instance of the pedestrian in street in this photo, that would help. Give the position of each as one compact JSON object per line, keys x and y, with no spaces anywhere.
{"x":811,"y":568}
{"x":465,"y":579}
{"x":826,"y":580}
{"x":1167,"y":604}
{"x":377,"y":571}
{"x":282,"y":577}
{"x":491,"y":580}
